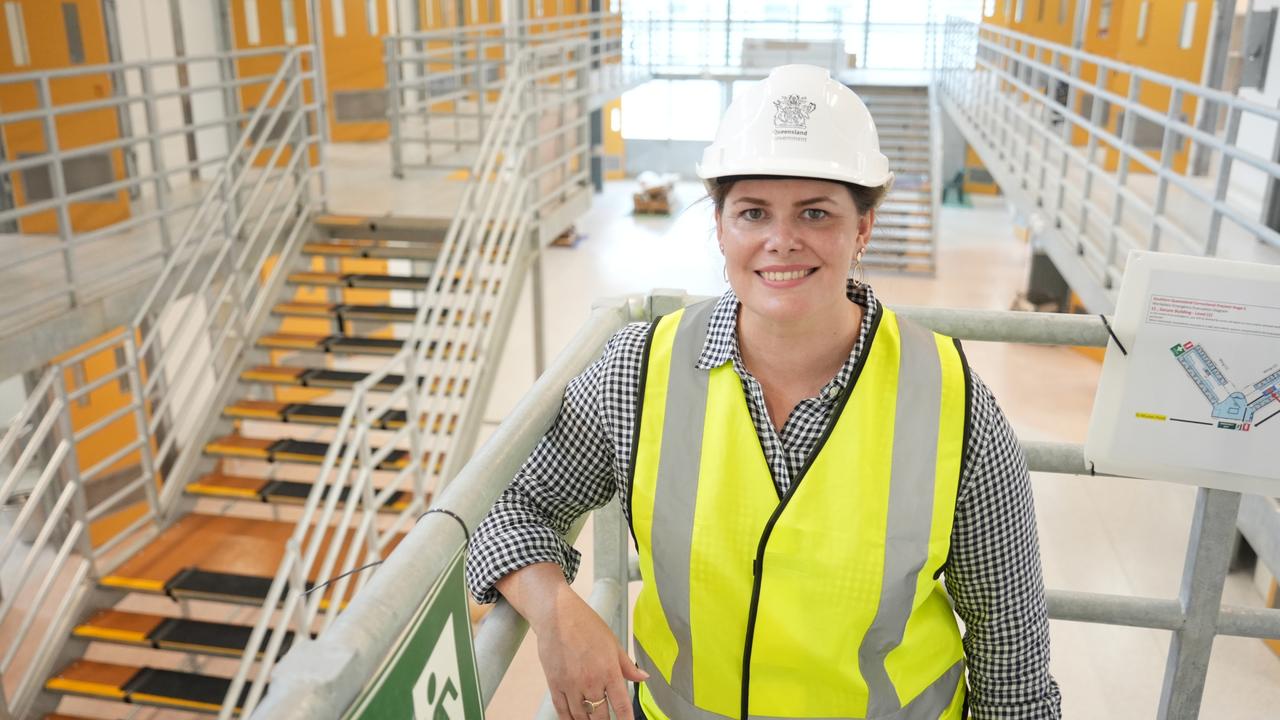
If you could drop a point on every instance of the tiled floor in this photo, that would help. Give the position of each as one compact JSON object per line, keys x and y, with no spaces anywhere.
{"x":1101,"y":535}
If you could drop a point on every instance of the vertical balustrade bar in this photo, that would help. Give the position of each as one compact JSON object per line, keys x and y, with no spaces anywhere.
{"x":1166,"y":167}
{"x":157,"y":156}
{"x":70,"y":469}
{"x":147,"y":460}
{"x":1224,"y":177}
{"x":1213,"y":529}
{"x":390,"y":44}
{"x":58,"y":183}
{"x":1091,"y":154}
{"x":1122,"y":177}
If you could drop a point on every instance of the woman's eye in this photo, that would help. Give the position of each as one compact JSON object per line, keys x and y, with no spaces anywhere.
{"x":814,"y":214}
{"x":753,"y":214}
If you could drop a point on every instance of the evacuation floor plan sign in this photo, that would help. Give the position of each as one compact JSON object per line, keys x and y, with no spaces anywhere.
{"x":1196,"y":398}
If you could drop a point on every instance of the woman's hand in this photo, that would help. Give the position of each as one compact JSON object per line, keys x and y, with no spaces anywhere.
{"x":580,"y":656}
{"x":582,"y":661}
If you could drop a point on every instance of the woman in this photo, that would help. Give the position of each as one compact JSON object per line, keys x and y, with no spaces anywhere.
{"x":799,"y":468}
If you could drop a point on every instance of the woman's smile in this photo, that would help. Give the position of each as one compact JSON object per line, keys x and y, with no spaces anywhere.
{"x":785,"y":276}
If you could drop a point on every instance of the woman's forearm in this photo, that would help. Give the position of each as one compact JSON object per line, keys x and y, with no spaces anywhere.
{"x":536,"y":591}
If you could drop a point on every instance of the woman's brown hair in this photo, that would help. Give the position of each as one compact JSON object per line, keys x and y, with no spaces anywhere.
{"x":864,"y":198}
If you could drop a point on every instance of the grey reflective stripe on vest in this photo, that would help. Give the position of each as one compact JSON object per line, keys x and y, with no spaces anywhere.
{"x":677,"y":491}
{"x":929,"y":705}
{"x":910,"y":517}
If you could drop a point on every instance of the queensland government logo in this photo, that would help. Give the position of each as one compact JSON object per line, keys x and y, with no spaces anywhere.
{"x":791,"y":117}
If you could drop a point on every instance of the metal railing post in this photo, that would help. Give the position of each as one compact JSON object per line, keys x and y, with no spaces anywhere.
{"x":139,"y":402}
{"x":1122,"y":175}
{"x":1166,"y":165}
{"x":1224,"y":177}
{"x":157,"y":156}
{"x":1213,"y":529}
{"x":71,"y":468}
{"x":58,"y":183}
{"x":393,"y":103}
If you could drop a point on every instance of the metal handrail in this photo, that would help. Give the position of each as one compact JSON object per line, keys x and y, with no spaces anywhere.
{"x":143,"y":174}
{"x":471,"y":292}
{"x":328,"y":678}
{"x":1090,"y":214}
{"x":438,"y":81}
{"x":216,"y":264}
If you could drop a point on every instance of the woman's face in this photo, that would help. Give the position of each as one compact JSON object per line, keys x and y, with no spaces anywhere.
{"x":788,"y":244}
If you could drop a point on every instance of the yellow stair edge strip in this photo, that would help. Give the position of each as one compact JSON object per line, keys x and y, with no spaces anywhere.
{"x":101,"y":633}
{"x":138,"y":697}
{"x":82,"y":687}
{"x":220,"y":491}
{"x":133,"y":583}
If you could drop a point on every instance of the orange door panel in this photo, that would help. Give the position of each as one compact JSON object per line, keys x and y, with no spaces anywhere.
{"x":55,"y":35}
{"x":355,"y":74}
{"x":270,"y":29}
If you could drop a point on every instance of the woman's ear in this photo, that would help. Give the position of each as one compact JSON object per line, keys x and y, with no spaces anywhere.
{"x":865,"y":223}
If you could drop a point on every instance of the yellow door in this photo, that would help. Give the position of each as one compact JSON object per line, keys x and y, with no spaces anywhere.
{"x":45,"y":35}
{"x":355,"y":74}
{"x":265,"y":24}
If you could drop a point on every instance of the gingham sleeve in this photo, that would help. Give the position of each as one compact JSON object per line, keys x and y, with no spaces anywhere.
{"x":577,"y":466}
{"x":994,"y":575}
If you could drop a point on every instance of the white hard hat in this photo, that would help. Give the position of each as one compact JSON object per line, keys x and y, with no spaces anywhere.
{"x":798,"y":122}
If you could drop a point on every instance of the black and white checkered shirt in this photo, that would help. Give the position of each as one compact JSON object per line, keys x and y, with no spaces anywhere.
{"x":993,"y":574}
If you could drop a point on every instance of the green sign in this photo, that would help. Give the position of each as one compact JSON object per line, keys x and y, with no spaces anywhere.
{"x":431,"y":673}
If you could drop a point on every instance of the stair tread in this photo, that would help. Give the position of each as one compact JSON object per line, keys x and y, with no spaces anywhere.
{"x":286,"y":450}
{"x":142,"y":685}
{"x":93,"y":678}
{"x":358,"y":280}
{"x":219,"y":484}
{"x":379,"y":249}
{"x":214,"y":557}
{"x":330,"y":343}
{"x":216,"y":543}
{"x":119,"y":625}
{"x":332,"y":379}
{"x":310,"y":413}
{"x":352,"y":310}
{"x":170,"y":633}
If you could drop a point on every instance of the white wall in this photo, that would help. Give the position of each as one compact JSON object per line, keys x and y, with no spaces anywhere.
{"x":146,"y":33}
{"x":1256,"y":134}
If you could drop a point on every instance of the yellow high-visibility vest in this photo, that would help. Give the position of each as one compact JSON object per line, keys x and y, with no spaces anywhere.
{"x":824,"y":602}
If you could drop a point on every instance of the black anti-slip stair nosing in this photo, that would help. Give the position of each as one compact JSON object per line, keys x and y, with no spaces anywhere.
{"x":298,"y":491}
{"x":193,"y":581}
{"x":317,"y":450}
{"x":189,"y":634}
{"x":180,"y":686}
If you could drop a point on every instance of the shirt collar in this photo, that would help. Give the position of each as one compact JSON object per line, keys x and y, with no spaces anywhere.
{"x":721,"y":345}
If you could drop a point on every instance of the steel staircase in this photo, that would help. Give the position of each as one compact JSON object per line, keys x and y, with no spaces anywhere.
{"x":302,"y":384}
{"x":904,"y":237}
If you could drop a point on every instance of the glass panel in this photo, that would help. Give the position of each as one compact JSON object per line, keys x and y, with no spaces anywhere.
{"x":251,"y":27}
{"x":71,"y":23}
{"x":339,"y":13}
{"x":672,"y":110}
{"x":17,"y":34}
{"x":371,"y":16}
{"x":290,"y":22}
{"x":1188,"y":25}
